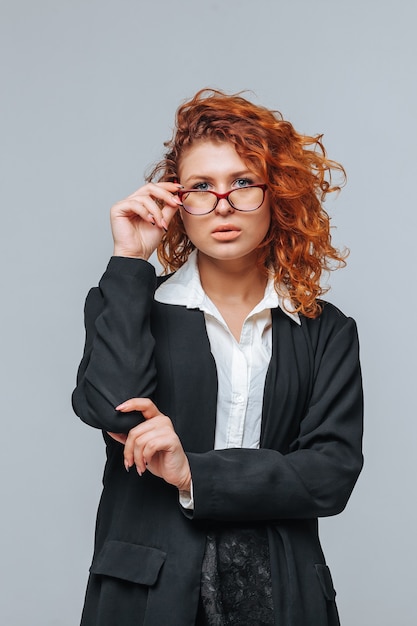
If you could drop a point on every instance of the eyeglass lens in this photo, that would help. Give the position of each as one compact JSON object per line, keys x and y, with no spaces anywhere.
{"x":244,"y":199}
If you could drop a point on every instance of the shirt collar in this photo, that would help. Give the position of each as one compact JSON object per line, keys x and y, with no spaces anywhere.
{"x":184,"y":288}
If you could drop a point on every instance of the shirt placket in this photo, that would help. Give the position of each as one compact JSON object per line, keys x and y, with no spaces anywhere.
{"x":240,"y":388}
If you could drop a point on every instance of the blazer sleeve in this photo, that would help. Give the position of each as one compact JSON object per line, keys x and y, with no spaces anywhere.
{"x":317,"y":475}
{"x":118,"y":361}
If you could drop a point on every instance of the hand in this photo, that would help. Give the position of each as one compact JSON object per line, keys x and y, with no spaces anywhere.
{"x":154,"y":445}
{"x":138,"y":221}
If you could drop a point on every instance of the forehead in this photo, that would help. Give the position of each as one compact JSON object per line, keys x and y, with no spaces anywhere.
{"x":210,"y":158}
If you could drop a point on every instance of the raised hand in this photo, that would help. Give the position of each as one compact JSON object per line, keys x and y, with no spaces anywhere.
{"x":139,"y":220}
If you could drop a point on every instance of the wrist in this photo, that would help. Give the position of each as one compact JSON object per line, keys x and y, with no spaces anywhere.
{"x":129,"y":255}
{"x":185,"y":485}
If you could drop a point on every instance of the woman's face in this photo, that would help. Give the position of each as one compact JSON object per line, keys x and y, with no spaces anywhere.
{"x":225,"y":233}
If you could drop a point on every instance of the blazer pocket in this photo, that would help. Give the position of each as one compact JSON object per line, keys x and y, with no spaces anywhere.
{"x":326,"y":582}
{"x":129,"y":561}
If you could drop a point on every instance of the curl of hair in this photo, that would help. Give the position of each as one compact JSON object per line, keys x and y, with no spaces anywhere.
{"x":297,"y":248}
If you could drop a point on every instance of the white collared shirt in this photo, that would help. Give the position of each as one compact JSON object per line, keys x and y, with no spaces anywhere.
{"x":241,"y":365}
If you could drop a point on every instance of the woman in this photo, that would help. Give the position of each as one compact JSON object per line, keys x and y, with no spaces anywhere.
{"x":229,"y":395}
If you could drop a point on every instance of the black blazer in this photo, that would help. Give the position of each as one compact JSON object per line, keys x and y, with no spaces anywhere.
{"x":148,"y":549}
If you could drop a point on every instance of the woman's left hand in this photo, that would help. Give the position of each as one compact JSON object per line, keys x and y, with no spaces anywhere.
{"x":154,"y":445}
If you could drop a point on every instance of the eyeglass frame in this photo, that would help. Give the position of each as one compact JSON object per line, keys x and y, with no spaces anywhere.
{"x":223,"y":196}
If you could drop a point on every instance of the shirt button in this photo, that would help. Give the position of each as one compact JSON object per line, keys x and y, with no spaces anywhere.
{"x":240,"y":399}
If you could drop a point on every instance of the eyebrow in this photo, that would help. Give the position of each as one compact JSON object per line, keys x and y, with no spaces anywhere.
{"x":210,"y":179}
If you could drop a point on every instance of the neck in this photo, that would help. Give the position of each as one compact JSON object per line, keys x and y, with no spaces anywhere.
{"x":236,"y":281}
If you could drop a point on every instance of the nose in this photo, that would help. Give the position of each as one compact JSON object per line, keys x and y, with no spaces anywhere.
{"x":224,"y":207}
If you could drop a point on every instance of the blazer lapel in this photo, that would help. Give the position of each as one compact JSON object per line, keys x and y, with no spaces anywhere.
{"x":288,"y":383}
{"x":188,"y":363}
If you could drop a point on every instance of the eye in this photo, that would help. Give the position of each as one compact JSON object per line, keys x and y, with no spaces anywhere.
{"x":201,"y":186}
{"x":243,"y":182}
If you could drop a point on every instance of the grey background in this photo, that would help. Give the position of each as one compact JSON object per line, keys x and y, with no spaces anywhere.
{"x":89,"y":90}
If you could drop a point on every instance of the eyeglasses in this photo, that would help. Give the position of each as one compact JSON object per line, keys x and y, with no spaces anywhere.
{"x":201,"y":202}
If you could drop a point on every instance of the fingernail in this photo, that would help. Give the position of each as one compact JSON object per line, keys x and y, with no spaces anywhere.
{"x":164,"y":225}
{"x":127,"y":468}
{"x":177,"y":200}
{"x":139,"y":472}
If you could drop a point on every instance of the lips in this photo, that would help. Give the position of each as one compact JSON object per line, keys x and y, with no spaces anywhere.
{"x":226,"y":232}
{"x":225,"y":228}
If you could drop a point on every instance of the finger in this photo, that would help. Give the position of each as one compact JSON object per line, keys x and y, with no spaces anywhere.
{"x":135,"y":404}
{"x":149,"y":410}
{"x":150,"y":444}
{"x":140,"y":206}
{"x":136,"y":205}
{"x":140,"y":435}
{"x":163,"y":200}
{"x":163,"y":192}
{"x":145,"y":405}
{"x":168,"y":213}
{"x":149,"y":210}
{"x":128,"y":453}
{"x":156,"y":189}
{"x":133,"y":452}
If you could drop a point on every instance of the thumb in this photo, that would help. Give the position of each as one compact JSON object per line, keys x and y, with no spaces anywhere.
{"x":168,"y":213}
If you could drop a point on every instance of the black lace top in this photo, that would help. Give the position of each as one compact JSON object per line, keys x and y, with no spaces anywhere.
{"x":236,"y":579}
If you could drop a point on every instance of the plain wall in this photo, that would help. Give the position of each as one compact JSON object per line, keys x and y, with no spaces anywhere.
{"x":89,"y":91}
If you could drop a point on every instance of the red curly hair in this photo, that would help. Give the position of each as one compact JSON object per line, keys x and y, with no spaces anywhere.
{"x":297,"y":248}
